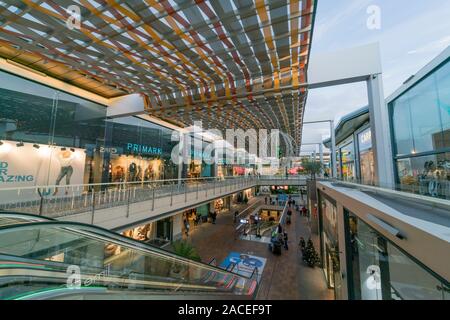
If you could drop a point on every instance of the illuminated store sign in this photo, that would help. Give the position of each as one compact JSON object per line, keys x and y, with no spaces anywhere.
{"x":365,"y":139}
{"x":141,"y":148}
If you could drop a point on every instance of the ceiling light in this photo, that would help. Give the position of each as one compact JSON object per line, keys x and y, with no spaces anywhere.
{"x":36,"y":146}
{"x":63,"y":149}
{"x":20,"y":144}
{"x":72,"y":149}
{"x":1,"y":142}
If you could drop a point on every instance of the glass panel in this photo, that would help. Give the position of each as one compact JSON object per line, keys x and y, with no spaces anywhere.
{"x":443,"y":86}
{"x":54,"y":255}
{"x":347,"y":156}
{"x":366,"y":157}
{"x":426,"y":123}
{"x":429,"y":175}
{"x":410,"y":281}
{"x":380,"y":271}
{"x":402,"y":125}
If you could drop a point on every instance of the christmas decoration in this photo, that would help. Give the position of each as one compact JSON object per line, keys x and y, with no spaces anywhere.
{"x":310,"y":255}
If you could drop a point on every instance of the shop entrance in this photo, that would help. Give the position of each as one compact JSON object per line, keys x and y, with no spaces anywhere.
{"x":164,"y":229}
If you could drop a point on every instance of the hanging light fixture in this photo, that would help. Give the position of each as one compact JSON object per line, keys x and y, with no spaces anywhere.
{"x":36,"y":146}
{"x":20,"y":144}
{"x":1,"y":142}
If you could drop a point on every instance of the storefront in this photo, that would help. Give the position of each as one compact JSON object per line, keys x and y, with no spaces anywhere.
{"x":48,"y":140}
{"x":366,"y":157}
{"x":354,"y":152}
{"x":329,"y":243}
{"x":144,"y":233}
{"x":347,"y":157}
{"x":59,"y":139}
{"x":420,"y":121}
{"x":379,"y":270}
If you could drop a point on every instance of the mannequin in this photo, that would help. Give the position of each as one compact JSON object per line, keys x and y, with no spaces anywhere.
{"x":132,"y":171}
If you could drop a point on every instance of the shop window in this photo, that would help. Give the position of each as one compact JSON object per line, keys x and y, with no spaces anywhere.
{"x":366,"y":157}
{"x":443,"y":87}
{"x":428,"y":175}
{"x":347,"y":159}
{"x":381,"y":271}
{"x":426,"y":123}
{"x":402,"y":125}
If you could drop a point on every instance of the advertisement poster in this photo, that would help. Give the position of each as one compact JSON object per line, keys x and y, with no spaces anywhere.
{"x":28,"y":165}
{"x":245,"y":264}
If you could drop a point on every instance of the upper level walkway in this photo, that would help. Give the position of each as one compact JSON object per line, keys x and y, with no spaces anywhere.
{"x":117,"y":205}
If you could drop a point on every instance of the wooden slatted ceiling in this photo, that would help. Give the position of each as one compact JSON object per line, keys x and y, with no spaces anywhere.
{"x":230,"y":64}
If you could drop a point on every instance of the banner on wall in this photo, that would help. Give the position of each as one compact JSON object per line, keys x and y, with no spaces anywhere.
{"x":28,"y":165}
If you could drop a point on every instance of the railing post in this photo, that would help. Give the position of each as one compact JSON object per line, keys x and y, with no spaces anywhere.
{"x":153,"y":198}
{"x":128,"y":202}
{"x":171,"y":195}
{"x":197,"y":191}
{"x":93,"y":206}
{"x":185,"y":192}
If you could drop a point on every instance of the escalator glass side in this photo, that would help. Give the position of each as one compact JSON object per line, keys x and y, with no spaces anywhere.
{"x":80,"y":256}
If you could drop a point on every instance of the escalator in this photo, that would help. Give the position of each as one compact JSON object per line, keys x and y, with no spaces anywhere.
{"x":42,"y":258}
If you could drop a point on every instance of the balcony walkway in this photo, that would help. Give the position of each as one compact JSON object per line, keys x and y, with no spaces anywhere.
{"x":120,"y":205}
{"x":284,"y":277}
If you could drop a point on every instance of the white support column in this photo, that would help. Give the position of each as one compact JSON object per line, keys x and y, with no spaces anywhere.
{"x":379,"y":125}
{"x":321,"y":156}
{"x":333,"y":150}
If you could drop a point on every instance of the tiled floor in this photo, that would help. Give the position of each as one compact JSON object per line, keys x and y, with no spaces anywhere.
{"x":285,"y":277}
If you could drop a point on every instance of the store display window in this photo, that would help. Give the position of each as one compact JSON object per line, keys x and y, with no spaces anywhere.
{"x":329,"y":243}
{"x":366,"y":157}
{"x":347,"y":160}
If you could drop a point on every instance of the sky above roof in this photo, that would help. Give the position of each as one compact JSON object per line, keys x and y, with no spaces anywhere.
{"x":411,"y":34}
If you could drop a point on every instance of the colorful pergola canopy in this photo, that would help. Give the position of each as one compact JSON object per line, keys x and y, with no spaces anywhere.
{"x":229,"y":63}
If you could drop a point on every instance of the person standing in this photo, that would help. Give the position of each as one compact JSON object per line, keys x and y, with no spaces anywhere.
{"x":285,"y":240}
{"x":235,"y":216}
{"x":304,"y":211}
{"x":186,"y":227}
{"x":265,"y":199}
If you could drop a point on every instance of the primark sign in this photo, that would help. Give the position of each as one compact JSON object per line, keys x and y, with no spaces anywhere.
{"x":143,"y":149}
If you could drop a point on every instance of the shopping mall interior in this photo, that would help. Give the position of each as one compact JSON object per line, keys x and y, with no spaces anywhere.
{"x":222,"y":150}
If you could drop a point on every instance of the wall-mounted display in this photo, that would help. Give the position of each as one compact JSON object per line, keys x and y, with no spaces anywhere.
{"x":26,"y":165}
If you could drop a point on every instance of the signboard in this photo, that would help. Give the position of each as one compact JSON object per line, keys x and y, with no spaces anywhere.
{"x":28,"y":165}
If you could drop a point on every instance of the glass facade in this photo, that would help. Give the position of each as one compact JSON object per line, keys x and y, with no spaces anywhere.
{"x":49,"y":137}
{"x":347,"y":161}
{"x":421,"y":135}
{"x":366,"y":157}
{"x":329,"y":243}
{"x":381,"y":271}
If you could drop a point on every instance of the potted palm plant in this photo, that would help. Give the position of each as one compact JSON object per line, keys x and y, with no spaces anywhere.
{"x":185,"y":250}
